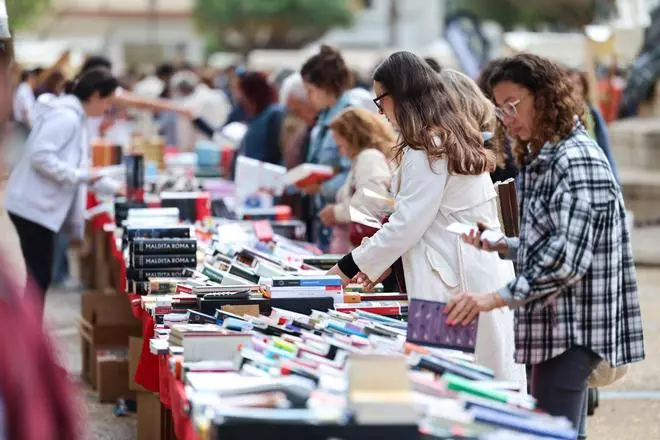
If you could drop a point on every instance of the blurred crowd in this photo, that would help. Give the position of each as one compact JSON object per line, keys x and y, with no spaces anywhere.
{"x":430,"y":138}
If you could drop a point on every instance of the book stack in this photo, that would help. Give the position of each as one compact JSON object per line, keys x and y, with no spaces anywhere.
{"x":293,"y":371}
{"x":207,"y":341}
{"x":159,"y":254}
{"x":193,"y":206}
{"x":135,"y":177}
{"x":307,"y":287}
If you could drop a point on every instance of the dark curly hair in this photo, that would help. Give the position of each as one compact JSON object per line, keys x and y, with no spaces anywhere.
{"x":327,"y":70}
{"x":556,"y":108}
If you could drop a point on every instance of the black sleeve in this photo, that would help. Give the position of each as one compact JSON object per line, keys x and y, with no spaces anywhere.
{"x":347,"y":266}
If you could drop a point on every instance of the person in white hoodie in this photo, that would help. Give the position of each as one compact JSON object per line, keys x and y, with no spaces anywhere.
{"x":46,"y":190}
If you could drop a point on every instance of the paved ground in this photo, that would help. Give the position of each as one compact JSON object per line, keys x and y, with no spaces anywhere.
{"x":62,"y":310}
{"x":630,"y":410}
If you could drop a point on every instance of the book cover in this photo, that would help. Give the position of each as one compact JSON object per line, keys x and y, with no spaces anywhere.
{"x":330,"y":280}
{"x":308,"y":174}
{"x":166,"y":232}
{"x":157,"y":261}
{"x":427,"y":326}
{"x":146,"y":274}
{"x":161,"y":246}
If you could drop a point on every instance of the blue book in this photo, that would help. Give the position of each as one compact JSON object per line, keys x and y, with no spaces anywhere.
{"x":533,"y":425}
{"x":325,"y":281}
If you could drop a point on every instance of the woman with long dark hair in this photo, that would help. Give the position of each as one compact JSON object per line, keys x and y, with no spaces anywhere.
{"x":442,"y":178}
{"x":575,"y":295}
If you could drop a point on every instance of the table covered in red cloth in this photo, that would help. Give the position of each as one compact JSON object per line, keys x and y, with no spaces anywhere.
{"x":153,"y":371}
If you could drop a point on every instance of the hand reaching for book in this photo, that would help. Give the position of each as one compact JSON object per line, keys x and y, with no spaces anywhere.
{"x":336,"y":271}
{"x":474,"y":239}
{"x":465,"y":307}
{"x":369,"y":285}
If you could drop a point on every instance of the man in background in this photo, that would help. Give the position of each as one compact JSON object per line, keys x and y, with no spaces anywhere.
{"x":24,"y":98}
{"x":211,"y":105}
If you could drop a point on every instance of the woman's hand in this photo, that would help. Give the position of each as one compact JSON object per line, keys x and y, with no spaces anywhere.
{"x":369,"y":285}
{"x":327,"y":215}
{"x":465,"y":307}
{"x":474,"y":239}
{"x":345,"y":281}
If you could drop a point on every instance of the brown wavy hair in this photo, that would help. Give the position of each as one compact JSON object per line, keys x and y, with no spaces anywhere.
{"x":555,"y":106}
{"x":471,"y":101}
{"x":364,"y":129}
{"x":429,"y":119}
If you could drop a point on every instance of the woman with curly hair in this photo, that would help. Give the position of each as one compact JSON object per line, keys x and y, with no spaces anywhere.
{"x":367,"y":140}
{"x":441,"y":177}
{"x":575,"y":295}
{"x":506,"y":165}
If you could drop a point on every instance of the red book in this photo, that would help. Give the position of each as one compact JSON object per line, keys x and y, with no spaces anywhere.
{"x":263,"y":231}
{"x":308,"y":174}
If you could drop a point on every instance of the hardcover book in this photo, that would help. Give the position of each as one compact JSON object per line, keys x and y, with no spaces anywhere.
{"x":308,"y":174}
{"x":147,"y":274}
{"x":161,"y":246}
{"x":427,"y":326}
{"x":155,"y":261}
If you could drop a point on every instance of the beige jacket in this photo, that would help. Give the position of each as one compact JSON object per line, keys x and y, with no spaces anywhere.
{"x":370,"y":169}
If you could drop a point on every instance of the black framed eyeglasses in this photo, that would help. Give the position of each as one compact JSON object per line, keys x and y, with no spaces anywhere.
{"x":378,"y":99}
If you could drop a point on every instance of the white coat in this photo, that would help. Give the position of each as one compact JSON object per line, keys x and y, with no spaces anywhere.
{"x":437,"y":265}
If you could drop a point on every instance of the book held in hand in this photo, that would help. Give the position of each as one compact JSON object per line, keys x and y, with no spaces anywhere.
{"x":427,"y":325}
{"x":308,"y":174}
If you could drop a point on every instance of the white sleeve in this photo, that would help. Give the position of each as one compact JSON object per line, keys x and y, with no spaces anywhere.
{"x":52,"y":137}
{"x":417,"y":205}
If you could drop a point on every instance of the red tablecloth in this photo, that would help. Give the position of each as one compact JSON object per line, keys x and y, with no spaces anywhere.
{"x":152,"y":371}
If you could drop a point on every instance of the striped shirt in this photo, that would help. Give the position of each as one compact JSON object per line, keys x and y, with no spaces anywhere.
{"x":576,"y":284}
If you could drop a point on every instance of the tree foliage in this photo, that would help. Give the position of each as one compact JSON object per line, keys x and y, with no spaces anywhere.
{"x":532,"y":14}
{"x":249,"y":24}
{"x":23,"y":12}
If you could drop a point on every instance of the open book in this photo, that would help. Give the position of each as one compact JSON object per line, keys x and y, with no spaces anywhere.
{"x":308,"y":174}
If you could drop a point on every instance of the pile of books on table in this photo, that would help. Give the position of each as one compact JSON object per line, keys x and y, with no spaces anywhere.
{"x":349,"y":375}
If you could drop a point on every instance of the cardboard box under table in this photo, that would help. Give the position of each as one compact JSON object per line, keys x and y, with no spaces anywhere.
{"x":106,"y":321}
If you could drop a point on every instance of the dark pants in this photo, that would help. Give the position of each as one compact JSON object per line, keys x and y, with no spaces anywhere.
{"x":560,"y":384}
{"x":38,"y":246}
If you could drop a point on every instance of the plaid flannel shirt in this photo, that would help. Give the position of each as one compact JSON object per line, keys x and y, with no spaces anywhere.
{"x":576,"y":284}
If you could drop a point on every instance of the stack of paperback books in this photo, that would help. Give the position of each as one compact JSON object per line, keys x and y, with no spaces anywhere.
{"x":338,"y":371}
{"x":156,"y":253}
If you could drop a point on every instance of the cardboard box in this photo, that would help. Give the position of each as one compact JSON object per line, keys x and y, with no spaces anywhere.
{"x":149,"y":416}
{"x":106,"y":321}
{"x":134,"y":353}
{"x":111,"y":372}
